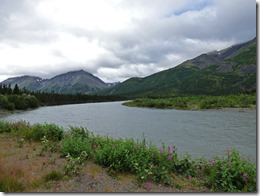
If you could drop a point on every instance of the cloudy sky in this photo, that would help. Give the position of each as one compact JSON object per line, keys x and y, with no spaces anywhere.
{"x":116,"y":39}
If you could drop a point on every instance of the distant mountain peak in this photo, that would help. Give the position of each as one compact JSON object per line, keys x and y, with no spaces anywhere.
{"x":78,"y":81}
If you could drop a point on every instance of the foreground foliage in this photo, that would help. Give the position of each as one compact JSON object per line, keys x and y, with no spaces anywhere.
{"x":148,"y":162}
{"x":197,"y":102}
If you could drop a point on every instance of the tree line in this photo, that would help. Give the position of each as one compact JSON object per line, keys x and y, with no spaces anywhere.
{"x":21,"y":99}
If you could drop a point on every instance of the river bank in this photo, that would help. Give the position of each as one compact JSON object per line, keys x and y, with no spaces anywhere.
{"x":240,"y":102}
{"x":43,"y":158}
{"x":25,"y":167}
{"x":24,"y":170}
{"x":4,"y":113}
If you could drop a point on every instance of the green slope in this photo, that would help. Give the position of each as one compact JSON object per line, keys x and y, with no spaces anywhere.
{"x":232,"y":70}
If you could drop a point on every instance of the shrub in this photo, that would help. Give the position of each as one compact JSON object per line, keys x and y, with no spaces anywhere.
{"x":23,"y":102}
{"x":5,"y":103}
{"x":5,"y":127}
{"x":233,"y":174}
{"x":74,"y":146}
{"x":72,"y":166}
{"x":79,"y":132}
{"x":38,"y":131}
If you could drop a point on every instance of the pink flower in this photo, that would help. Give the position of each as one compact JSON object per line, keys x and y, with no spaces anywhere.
{"x":228,"y":151}
{"x":161,"y":150}
{"x":174,"y":149}
{"x":170,"y":157}
{"x":189,"y":177}
{"x":169,"y":150}
{"x":211,"y":162}
{"x":148,"y":186}
{"x":245,"y":176}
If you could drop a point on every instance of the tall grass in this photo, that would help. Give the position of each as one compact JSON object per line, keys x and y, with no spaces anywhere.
{"x":11,"y":179}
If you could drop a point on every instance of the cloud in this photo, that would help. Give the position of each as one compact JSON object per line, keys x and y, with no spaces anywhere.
{"x":116,"y":39}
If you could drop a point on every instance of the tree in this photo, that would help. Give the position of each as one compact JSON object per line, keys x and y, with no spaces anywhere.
{"x":16,"y":90}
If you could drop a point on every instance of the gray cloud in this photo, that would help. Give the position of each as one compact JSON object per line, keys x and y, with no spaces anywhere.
{"x":131,"y":38}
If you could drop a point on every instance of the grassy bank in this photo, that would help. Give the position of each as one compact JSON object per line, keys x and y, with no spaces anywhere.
{"x":149,"y":164}
{"x":197,"y":102}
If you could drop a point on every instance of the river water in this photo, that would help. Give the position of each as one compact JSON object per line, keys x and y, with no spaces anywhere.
{"x":205,"y":133}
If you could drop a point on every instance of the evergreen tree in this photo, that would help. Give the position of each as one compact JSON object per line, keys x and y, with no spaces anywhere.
{"x":16,"y":90}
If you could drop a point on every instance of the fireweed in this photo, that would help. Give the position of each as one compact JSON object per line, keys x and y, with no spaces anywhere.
{"x":148,"y":162}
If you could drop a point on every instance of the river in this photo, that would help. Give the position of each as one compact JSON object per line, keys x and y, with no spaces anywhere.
{"x":205,"y":133}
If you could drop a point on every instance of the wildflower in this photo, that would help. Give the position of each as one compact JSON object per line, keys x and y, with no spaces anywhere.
{"x":148,"y":186}
{"x":169,"y":150}
{"x":211,"y":162}
{"x":228,"y":151}
{"x":170,"y":157}
{"x":189,"y":177}
{"x":174,"y":149}
{"x":161,"y":150}
{"x":245,"y":176}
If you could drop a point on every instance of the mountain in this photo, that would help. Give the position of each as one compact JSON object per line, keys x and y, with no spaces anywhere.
{"x":71,"y":82}
{"x":231,"y":70}
{"x":29,"y":82}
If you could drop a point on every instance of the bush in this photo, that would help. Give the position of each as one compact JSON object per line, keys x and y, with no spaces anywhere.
{"x":38,"y":131}
{"x":74,"y":146}
{"x":5,"y":127}
{"x":72,"y":166}
{"x":79,"y":132}
{"x":23,"y":102}
{"x":233,"y":174}
{"x":5,"y":104}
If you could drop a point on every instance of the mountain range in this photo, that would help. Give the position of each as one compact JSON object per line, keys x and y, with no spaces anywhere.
{"x":231,"y":70}
{"x":227,"y":71}
{"x":71,"y":82}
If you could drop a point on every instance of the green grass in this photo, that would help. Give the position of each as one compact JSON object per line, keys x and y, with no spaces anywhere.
{"x":53,"y":176}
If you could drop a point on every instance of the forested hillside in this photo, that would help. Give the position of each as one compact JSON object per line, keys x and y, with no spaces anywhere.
{"x":228,"y":71}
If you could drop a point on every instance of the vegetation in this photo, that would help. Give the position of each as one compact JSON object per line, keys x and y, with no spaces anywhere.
{"x":197,"y":102}
{"x":9,"y":179}
{"x":22,"y":99}
{"x":231,"y":71}
{"x":148,"y":162}
{"x":61,"y":99}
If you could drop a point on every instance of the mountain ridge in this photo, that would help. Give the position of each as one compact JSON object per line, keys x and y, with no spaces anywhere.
{"x":69,"y":82}
{"x":230,"y":70}
{"x":226,"y":71}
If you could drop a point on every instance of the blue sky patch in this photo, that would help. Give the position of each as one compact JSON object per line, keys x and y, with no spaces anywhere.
{"x":192,"y":7}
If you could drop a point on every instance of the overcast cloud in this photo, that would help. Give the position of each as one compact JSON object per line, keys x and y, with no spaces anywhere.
{"x":116,"y":39}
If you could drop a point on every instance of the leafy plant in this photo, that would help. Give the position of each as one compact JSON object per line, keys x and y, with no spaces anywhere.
{"x":72,"y":166}
{"x":233,"y":174}
{"x":50,"y":131}
{"x":74,"y":146}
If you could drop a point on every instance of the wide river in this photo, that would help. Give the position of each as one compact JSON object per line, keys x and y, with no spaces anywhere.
{"x":205,"y":133}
